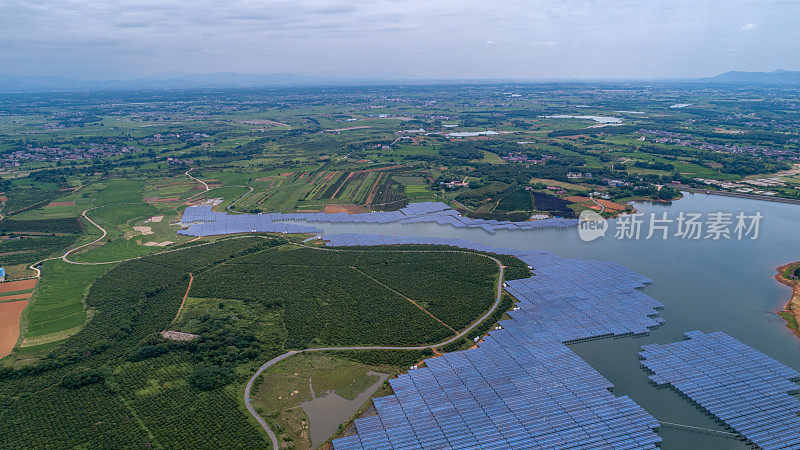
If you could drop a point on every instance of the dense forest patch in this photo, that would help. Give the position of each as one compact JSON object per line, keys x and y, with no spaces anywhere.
{"x":357,"y":296}
{"x":118,"y":383}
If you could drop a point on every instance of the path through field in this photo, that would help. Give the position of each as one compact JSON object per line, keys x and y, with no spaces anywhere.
{"x":275,"y":360}
{"x":270,"y":363}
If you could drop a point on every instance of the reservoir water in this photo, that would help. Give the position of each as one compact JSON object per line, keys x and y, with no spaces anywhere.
{"x":326,"y":412}
{"x":706,"y":285}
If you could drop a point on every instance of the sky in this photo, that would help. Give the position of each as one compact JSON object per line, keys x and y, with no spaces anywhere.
{"x":399,"y":39}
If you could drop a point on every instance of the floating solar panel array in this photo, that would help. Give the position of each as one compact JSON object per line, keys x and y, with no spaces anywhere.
{"x":202,"y":221}
{"x":201,"y":218}
{"x":573,"y":300}
{"x":522,"y":387}
{"x":516,"y":390}
{"x":738,"y":385}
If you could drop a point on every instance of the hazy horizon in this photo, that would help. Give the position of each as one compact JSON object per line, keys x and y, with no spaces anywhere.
{"x":400,"y":39}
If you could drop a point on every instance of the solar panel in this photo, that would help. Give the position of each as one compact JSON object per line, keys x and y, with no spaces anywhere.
{"x":424,"y":212}
{"x":740,"y":386}
{"x":522,"y":387}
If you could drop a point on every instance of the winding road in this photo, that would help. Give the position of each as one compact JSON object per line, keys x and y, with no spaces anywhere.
{"x":268,"y":364}
{"x":64,"y":257}
{"x":205,"y":186}
{"x":602,"y":206}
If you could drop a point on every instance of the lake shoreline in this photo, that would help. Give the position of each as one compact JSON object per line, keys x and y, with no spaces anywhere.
{"x":792,"y":307}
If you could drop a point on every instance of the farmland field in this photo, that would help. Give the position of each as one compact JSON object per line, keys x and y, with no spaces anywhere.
{"x":57,"y":309}
{"x":314,"y":188}
{"x":10,"y":312}
{"x":91,"y":367}
{"x":252,"y":298}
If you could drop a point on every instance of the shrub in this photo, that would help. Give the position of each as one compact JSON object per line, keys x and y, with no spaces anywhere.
{"x":208,"y":376}
{"x":80,"y":378}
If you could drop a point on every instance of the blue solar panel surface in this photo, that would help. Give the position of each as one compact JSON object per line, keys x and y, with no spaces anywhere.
{"x":740,"y":386}
{"x":202,"y":221}
{"x":522,"y":387}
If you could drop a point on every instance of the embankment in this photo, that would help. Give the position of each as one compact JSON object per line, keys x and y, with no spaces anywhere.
{"x":791,"y":312}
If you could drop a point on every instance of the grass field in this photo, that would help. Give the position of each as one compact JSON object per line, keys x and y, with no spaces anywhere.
{"x":418,"y":190}
{"x":285,"y":386}
{"x":118,"y":191}
{"x":228,"y":194}
{"x":561,"y":184}
{"x":57,"y":305}
{"x":178,"y":187}
{"x":122,"y":240}
{"x":492,"y":158}
{"x":408,"y":181}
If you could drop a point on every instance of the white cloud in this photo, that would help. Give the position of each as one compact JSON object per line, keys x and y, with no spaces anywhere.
{"x":601,"y":38}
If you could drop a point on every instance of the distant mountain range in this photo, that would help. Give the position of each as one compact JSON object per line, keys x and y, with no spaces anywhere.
{"x":775,"y":77}
{"x":178,"y":80}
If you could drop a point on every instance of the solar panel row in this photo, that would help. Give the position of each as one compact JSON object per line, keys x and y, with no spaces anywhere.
{"x":202,"y":221}
{"x":736,"y":384}
{"x":521,"y":387}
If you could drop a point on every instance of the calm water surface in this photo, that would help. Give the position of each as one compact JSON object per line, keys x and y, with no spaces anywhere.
{"x":325,"y":413}
{"x":705,"y":285}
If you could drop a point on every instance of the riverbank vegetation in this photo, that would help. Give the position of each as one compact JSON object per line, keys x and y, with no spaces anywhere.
{"x":789,"y":275}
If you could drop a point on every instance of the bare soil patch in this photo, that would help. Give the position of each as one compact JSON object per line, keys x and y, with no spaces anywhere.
{"x":349,"y":209}
{"x":178,"y":336}
{"x":157,"y":244}
{"x":52,"y":204}
{"x":144,"y":230}
{"x":577,"y":199}
{"x":21,"y":285}
{"x":10,"y":313}
{"x":9,"y":298}
{"x":610,"y":205}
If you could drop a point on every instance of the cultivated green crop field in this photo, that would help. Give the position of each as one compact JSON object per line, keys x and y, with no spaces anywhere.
{"x":58,"y":305}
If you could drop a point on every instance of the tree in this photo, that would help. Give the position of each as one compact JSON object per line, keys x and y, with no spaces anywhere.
{"x":208,"y":376}
{"x":667,"y":193}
